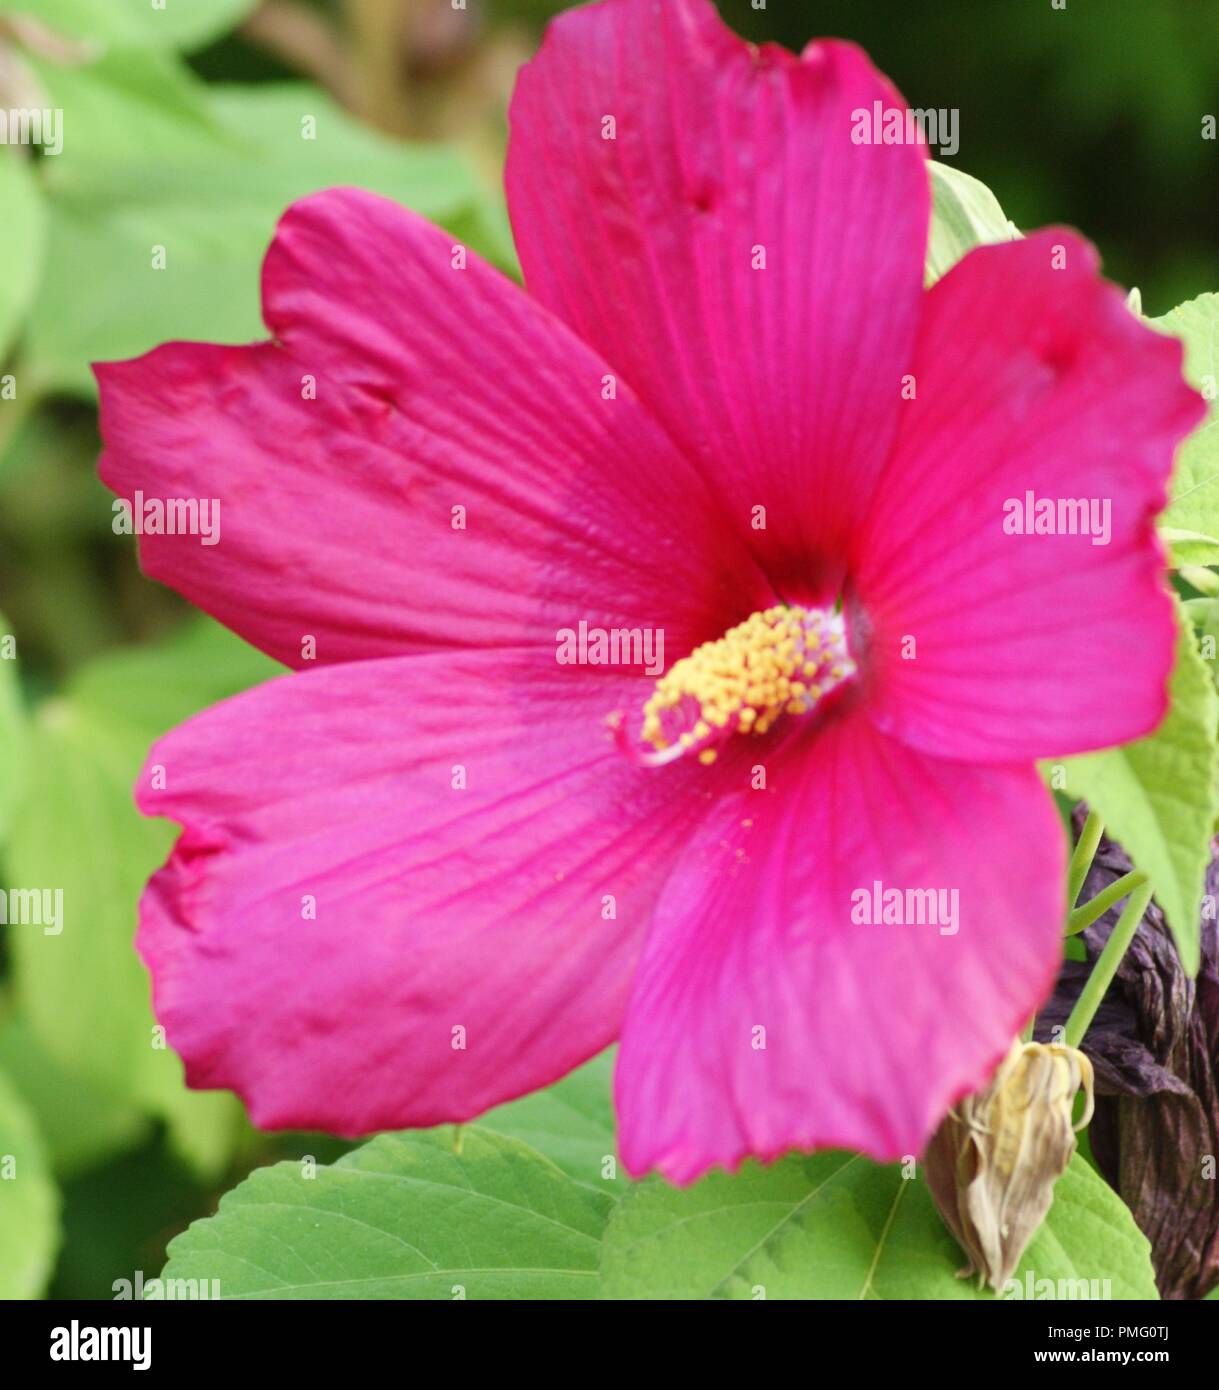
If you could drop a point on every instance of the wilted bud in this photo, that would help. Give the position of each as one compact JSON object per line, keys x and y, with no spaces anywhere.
{"x":992,"y":1164}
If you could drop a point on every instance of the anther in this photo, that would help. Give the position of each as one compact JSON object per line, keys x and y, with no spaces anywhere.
{"x":781,"y":660}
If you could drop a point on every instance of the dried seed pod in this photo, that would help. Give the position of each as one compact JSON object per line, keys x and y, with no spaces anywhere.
{"x":992,"y":1164}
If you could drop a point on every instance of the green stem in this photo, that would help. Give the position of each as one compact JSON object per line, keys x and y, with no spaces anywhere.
{"x":1081,"y":860}
{"x":1087,"y":914}
{"x":1206,"y":581}
{"x":1106,"y":967}
{"x":378,"y":31}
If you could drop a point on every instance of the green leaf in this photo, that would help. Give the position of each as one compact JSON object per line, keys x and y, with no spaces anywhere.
{"x":123,"y":90}
{"x":1204,"y":614}
{"x":837,"y":1226}
{"x":186,"y":24}
{"x":405,"y":1216}
{"x":964,"y":214}
{"x":210,"y":195}
{"x":83,"y":990}
{"x":1157,"y":795}
{"x":572,"y":1123}
{"x":12,"y":728}
{"x":21,"y":244}
{"x":81,"y":1125}
{"x":1189,"y":547}
{"x":29,"y":1202}
{"x":147,"y":690}
{"x":1194,"y":497}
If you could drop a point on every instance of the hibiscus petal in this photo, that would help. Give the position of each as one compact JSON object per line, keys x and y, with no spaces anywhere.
{"x":870,"y":1031}
{"x":436,"y":388}
{"x":435,"y":908}
{"x":1030,"y":379}
{"x":784,"y":381}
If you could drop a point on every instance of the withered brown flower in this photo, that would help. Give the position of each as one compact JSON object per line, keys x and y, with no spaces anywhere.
{"x":992,"y":1164}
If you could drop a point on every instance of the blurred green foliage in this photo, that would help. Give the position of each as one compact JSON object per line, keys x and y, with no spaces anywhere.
{"x":1090,"y":115}
{"x":185,"y":134}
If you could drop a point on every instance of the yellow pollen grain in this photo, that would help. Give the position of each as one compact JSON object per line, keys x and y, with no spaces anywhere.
{"x":746,"y":679}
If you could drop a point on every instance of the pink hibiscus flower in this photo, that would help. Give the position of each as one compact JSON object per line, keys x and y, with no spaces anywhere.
{"x":448,"y":864}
